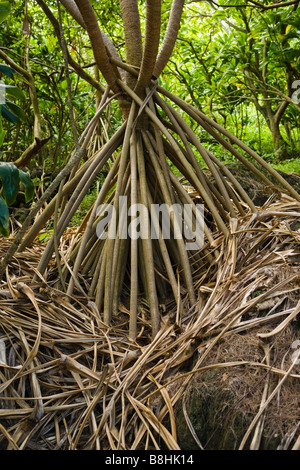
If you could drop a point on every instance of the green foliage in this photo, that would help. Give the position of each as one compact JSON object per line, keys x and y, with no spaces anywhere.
{"x":242,"y":57}
{"x":289,"y":166}
{"x":5,"y":9}
{"x":10,"y":110}
{"x":28,"y":184}
{"x":9,"y":175}
{"x":216,"y":46}
{"x":11,"y":178}
{"x":2,"y":132}
{"x":84,"y":207}
{"x":14,"y":91}
{"x":6,"y":70}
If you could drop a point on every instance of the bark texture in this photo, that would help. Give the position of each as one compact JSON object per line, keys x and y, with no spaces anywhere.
{"x":96,"y":38}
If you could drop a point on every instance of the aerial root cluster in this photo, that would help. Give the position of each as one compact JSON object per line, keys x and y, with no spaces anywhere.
{"x":144,"y":151}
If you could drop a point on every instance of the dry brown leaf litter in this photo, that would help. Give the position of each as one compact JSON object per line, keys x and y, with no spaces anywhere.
{"x":67,"y":381}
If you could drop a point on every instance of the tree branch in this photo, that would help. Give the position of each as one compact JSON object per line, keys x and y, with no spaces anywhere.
{"x":72,"y":8}
{"x":14,"y":65}
{"x":99,"y":50}
{"x":280,"y":110}
{"x":37,"y":143}
{"x":78,"y":69}
{"x":256,"y":4}
{"x":274,"y":5}
{"x":133,"y":36}
{"x":151,"y":44}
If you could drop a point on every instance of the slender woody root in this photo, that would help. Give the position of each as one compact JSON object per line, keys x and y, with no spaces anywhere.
{"x":161,"y":268}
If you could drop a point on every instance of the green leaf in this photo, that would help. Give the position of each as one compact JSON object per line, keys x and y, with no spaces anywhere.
{"x":5,"y":9}
{"x":13,"y":91}
{"x":9,"y":174}
{"x":63,"y":84}
{"x":4,"y":218}
{"x":29,"y":186}
{"x":44,"y":237}
{"x":12,"y":112}
{"x":2,"y":135}
{"x":2,"y":132}
{"x":6,"y":70}
{"x":7,"y":114}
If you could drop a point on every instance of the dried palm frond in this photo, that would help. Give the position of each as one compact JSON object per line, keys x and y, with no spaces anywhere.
{"x":68,"y":381}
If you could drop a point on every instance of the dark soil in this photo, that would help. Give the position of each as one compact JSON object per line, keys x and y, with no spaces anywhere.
{"x":221,"y":403}
{"x":255,"y":188}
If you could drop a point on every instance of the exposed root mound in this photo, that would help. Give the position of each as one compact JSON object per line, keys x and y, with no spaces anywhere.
{"x":67,"y":381}
{"x":226,"y":407}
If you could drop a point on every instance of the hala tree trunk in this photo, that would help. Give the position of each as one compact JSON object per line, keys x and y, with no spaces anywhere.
{"x":149,"y":266}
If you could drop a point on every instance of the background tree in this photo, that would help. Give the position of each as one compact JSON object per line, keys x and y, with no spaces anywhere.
{"x":244,"y":56}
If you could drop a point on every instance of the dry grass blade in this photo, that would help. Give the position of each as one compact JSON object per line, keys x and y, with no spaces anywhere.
{"x":31,"y":354}
{"x":264,"y":406}
{"x":256,"y":440}
{"x":282,"y":325}
{"x":296,"y":446}
{"x":190,"y":426}
{"x":9,"y":438}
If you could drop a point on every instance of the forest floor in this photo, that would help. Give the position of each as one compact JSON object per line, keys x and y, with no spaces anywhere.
{"x":224,"y":374}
